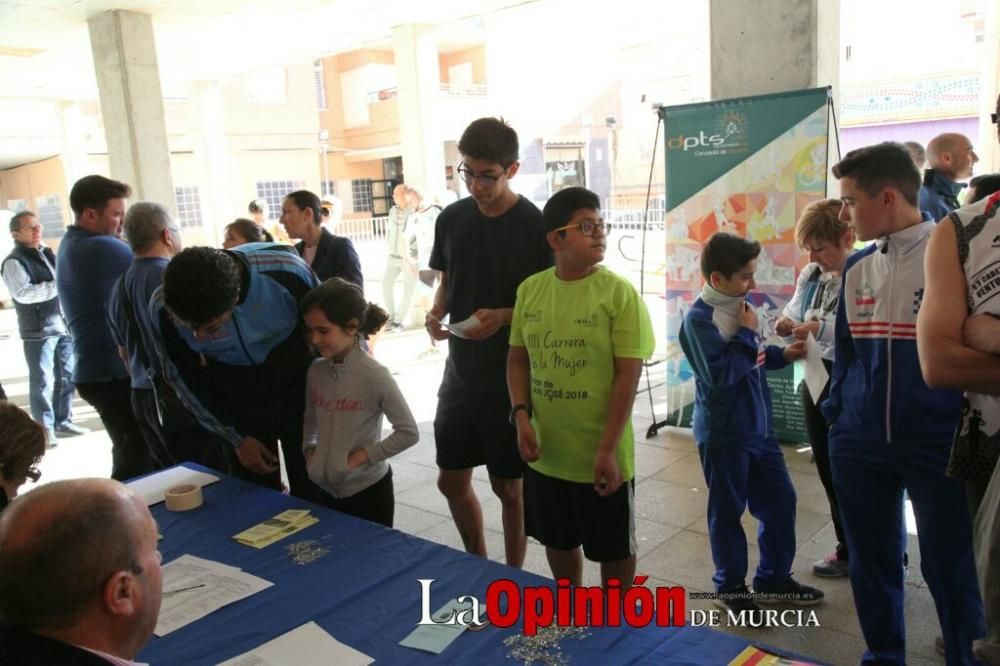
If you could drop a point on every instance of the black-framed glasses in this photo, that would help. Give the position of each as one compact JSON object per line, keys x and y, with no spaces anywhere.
{"x":470,"y":176}
{"x":33,"y":474}
{"x":587,"y":227}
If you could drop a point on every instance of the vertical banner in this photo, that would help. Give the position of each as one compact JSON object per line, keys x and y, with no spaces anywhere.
{"x":747,"y":166}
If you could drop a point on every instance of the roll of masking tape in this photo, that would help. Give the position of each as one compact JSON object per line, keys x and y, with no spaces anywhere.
{"x":183,"y":498}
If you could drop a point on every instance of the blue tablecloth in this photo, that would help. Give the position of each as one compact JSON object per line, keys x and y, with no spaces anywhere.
{"x":364,"y":592}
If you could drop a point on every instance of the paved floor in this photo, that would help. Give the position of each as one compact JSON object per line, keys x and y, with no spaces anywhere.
{"x":670,"y":503}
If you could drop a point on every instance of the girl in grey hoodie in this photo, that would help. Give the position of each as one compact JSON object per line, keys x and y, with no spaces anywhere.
{"x":347,"y":394}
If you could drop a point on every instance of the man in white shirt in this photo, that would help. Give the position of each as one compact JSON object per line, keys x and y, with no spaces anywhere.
{"x":398,"y":261}
{"x":29,"y":273}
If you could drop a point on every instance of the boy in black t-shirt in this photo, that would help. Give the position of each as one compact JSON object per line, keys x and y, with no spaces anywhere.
{"x":484,"y":246}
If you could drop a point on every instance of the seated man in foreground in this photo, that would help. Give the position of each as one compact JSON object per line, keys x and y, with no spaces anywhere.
{"x":81,"y":577}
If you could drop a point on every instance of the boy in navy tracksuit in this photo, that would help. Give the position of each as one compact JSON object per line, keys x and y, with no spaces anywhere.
{"x":740,"y":456}
{"x":889,"y":430}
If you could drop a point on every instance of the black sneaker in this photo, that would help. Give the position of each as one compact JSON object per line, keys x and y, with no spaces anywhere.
{"x":789,"y":592}
{"x":740,"y":599}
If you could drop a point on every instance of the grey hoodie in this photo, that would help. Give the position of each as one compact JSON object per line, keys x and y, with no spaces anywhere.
{"x":345,"y":403}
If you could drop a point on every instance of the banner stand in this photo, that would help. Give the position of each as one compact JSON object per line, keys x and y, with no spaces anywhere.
{"x":746,"y":166}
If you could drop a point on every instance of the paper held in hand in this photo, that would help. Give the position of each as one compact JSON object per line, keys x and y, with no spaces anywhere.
{"x":274,"y":529}
{"x":458,"y":329}
{"x":816,"y":374}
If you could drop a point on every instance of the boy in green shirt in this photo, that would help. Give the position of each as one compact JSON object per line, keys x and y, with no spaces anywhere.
{"x":578,"y":338}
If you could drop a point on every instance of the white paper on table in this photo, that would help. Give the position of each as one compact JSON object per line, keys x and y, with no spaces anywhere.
{"x":152,"y":488}
{"x":213,"y":585}
{"x":816,"y":374}
{"x":307,"y":644}
{"x":459,"y":329}
{"x":196,"y":564}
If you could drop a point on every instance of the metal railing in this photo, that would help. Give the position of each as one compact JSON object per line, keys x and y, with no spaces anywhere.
{"x":448,"y":89}
{"x":458,"y":90}
{"x":625,"y":239}
{"x":362,"y":229}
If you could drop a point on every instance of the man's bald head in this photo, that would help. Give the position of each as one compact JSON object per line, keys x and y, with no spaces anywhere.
{"x":59,"y":544}
{"x":951,"y":155}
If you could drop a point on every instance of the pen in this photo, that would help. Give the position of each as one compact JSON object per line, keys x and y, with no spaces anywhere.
{"x":182,"y":589}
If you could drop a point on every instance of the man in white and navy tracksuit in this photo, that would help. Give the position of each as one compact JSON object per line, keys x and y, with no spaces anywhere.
{"x":889,"y":431}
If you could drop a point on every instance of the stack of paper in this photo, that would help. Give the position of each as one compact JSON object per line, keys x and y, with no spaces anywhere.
{"x":152,"y":488}
{"x":277,"y":528}
{"x":194,"y":587}
{"x":308,"y":644}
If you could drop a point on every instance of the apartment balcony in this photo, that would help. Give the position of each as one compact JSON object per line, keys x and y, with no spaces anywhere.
{"x":456,"y":106}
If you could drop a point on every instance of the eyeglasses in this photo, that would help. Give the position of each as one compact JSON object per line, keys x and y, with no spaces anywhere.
{"x":209,"y":329}
{"x":587,"y":228}
{"x":470,"y":176}
{"x":33,"y":474}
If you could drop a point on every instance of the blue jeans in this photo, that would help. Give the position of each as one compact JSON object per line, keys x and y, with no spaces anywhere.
{"x":50,"y":379}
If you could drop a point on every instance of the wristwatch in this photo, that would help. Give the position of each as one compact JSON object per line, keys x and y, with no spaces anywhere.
{"x":515,"y":409}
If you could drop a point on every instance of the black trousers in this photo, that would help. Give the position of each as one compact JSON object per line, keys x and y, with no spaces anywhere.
{"x":818,"y":430}
{"x":376,"y":503}
{"x":113,"y":401}
{"x":171,"y":446}
{"x":144,"y":410}
{"x":299,"y":484}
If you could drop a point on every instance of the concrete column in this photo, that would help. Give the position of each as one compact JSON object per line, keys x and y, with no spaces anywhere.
{"x":73,"y":149}
{"x":773,"y":45}
{"x":128,"y":80}
{"x":417,"y":81}
{"x":208,"y":129}
{"x":987,"y":148}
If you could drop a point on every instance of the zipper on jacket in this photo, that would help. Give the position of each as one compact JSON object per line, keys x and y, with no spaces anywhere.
{"x":763,"y":407}
{"x":239,"y":334}
{"x":761,"y":377}
{"x":888,"y":382}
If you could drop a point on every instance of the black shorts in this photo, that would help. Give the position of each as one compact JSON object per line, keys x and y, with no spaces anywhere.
{"x":472,"y":429}
{"x":564,"y":514}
